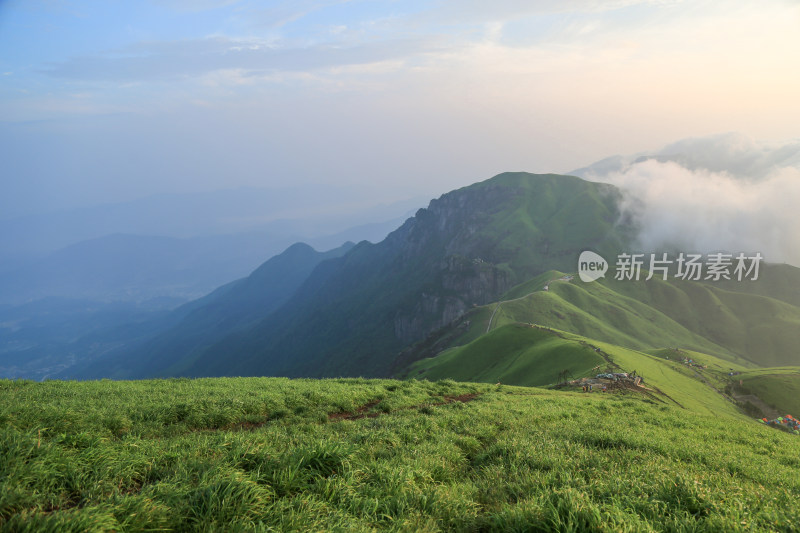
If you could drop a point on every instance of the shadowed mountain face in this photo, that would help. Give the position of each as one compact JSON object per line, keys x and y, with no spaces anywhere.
{"x":230,"y":308}
{"x":355,"y":313}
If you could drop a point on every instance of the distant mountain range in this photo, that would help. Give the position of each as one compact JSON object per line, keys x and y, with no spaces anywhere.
{"x":288,"y":212}
{"x":137,"y":268}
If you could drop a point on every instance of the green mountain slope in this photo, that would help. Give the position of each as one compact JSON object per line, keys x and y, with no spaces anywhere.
{"x":682,"y":385}
{"x":521,"y":354}
{"x":779,"y":388}
{"x":734,"y":323}
{"x":516,"y":354}
{"x":648,"y":326}
{"x":756,"y":321}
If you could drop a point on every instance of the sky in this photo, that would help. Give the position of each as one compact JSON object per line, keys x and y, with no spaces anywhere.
{"x":110,"y":101}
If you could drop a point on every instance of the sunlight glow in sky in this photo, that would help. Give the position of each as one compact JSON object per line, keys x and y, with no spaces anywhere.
{"x":108,"y":100}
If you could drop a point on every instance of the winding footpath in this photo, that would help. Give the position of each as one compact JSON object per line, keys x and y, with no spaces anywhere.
{"x":545,"y":288}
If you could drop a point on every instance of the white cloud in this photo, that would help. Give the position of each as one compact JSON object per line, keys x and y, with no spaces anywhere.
{"x":701,"y":210}
{"x":734,"y":153}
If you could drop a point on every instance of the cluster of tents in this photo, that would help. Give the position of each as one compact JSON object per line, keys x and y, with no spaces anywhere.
{"x":606,"y":381}
{"x":615,"y":376}
{"x":788,"y":423}
{"x":622,"y":376}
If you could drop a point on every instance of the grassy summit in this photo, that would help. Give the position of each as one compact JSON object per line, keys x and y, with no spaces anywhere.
{"x":515,"y":354}
{"x":276,"y":454}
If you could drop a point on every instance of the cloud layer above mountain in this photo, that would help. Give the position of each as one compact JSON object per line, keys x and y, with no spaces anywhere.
{"x":723,"y":193}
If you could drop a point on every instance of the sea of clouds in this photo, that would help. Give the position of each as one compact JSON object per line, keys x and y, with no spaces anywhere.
{"x":726,"y":193}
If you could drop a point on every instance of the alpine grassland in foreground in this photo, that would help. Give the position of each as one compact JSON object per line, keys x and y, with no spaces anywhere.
{"x":275,"y":454}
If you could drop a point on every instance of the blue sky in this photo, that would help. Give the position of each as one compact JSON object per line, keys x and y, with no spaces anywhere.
{"x":109,"y":101}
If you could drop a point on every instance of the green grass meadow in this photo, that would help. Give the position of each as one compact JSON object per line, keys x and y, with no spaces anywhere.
{"x":520,"y":355}
{"x":271,"y":454}
{"x":743,"y":328}
{"x":779,"y":387}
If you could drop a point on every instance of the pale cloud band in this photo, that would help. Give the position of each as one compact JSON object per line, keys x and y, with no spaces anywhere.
{"x":745,"y":202}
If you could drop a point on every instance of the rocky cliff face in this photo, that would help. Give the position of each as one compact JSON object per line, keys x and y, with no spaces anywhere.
{"x":453,"y":220}
{"x":463,"y":283}
{"x":458,"y":277}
